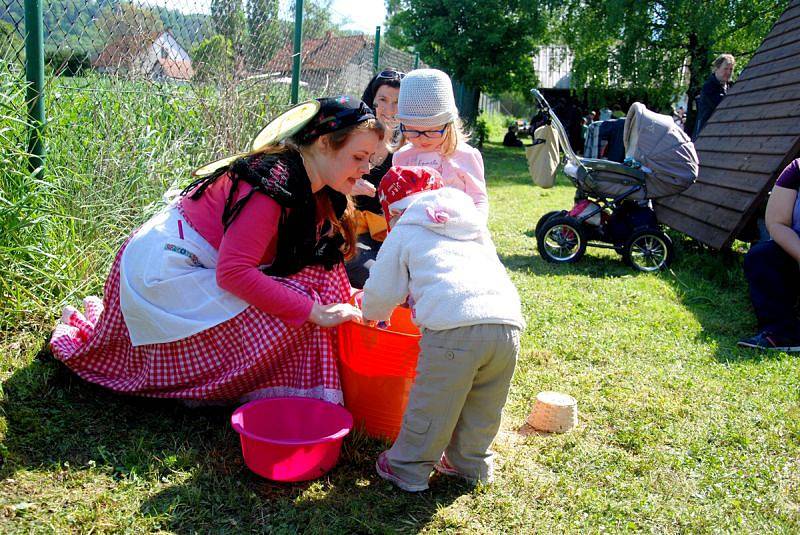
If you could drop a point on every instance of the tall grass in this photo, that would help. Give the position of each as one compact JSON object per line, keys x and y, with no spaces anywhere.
{"x":113,"y":148}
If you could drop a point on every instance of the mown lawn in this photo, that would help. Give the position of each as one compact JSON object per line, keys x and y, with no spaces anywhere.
{"x":679,"y":430}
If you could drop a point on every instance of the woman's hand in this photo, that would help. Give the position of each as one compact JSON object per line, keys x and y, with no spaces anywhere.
{"x":362,"y":187}
{"x":333,"y":314}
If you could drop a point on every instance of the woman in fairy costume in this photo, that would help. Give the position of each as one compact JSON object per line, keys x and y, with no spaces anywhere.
{"x":231,"y":292}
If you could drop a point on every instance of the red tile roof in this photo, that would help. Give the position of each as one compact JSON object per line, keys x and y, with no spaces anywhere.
{"x":321,"y":54}
{"x":123,"y":50}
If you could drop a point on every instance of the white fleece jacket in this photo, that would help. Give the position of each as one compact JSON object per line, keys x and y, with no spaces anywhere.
{"x":440,"y":253}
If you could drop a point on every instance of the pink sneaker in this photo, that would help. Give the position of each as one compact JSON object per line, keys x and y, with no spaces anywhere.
{"x":445,"y":468}
{"x":385,"y":471}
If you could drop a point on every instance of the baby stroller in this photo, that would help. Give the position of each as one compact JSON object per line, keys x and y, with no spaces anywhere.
{"x":612,"y":204}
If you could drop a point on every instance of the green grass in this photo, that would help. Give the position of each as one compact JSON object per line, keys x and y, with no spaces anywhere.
{"x":679,"y":430}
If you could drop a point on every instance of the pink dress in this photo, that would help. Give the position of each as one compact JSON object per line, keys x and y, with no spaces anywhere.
{"x":266,"y":350}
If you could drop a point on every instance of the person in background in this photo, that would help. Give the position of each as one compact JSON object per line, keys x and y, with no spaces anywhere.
{"x":511,"y":139}
{"x":440,"y":258}
{"x":714,"y":90}
{"x":772,"y":269}
{"x":679,"y":116}
{"x":381,"y":94}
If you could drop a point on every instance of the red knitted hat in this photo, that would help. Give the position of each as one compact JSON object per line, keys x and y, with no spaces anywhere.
{"x":400,"y":182}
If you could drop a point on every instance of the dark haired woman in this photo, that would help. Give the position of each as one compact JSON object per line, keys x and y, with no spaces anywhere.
{"x":381,"y":94}
{"x":226,"y":294}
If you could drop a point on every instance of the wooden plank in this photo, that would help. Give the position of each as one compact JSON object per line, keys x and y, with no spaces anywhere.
{"x":698,"y":230}
{"x":778,"y":110}
{"x":755,"y":163}
{"x":717,"y":216}
{"x":768,"y":96}
{"x":749,"y":144}
{"x":774,"y":40}
{"x":787,"y":20}
{"x":762,"y":195}
{"x":792,"y":11}
{"x":785,"y":23}
{"x":783,"y":78}
{"x":774,"y":127}
{"x":760,"y":58}
{"x":719,"y":196}
{"x":766,"y":69}
{"x":743,"y":181}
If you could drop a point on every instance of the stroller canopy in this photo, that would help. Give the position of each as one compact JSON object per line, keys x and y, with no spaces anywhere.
{"x":661,"y":146}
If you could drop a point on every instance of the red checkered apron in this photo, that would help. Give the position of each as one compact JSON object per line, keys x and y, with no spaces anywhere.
{"x":251,"y":355}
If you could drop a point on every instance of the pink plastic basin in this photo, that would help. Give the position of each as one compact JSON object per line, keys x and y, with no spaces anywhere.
{"x":291,"y":439}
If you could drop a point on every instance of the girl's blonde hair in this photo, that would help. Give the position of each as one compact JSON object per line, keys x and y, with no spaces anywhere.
{"x":454,"y":134}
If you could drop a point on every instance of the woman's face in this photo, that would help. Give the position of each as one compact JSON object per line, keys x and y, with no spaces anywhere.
{"x":344,"y":167}
{"x":724,"y":72}
{"x":385,"y":103}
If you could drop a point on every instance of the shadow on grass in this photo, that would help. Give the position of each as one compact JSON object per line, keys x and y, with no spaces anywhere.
{"x":188,"y":465}
{"x":588,"y":266}
{"x":710,"y":284}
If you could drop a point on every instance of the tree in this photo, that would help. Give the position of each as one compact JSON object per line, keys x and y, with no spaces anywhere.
{"x":486,"y":44}
{"x":649,"y":43}
{"x":214,"y":59}
{"x":127,"y":19}
{"x":264,"y":28}
{"x":229,"y":21}
{"x":317,"y":20}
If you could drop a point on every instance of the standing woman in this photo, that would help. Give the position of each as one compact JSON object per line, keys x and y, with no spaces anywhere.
{"x":226,"y":294}
{"x":381,"y":95}
{"x":714,"y":90}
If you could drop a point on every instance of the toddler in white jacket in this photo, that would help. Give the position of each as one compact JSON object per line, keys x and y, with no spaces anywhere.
{"x":439,"y":254}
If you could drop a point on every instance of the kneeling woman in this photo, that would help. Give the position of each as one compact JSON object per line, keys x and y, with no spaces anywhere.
{"x":226,"y":294}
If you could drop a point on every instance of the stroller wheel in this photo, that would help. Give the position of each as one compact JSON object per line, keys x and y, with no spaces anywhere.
{"x":648,"y":249}
{"x":544,"y":218}
{"x":561,"y":240}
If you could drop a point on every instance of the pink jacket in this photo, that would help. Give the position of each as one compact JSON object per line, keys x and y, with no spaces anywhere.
{"x":462,"y":170}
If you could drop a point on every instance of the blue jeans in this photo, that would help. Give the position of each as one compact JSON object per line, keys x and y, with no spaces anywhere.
{"x":774,"y":280}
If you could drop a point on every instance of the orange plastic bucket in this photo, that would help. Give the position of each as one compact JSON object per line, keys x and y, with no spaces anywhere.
{"x":377,"y":370}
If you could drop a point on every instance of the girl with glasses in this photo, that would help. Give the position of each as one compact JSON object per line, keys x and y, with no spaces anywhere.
{"x":429,"y":120}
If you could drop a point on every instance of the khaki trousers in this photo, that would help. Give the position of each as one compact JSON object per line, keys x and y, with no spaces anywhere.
{"x":463,"y":377}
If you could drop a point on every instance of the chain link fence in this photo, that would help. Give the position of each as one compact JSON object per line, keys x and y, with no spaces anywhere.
{"x":136,"y":95}
{"x":230,"y":62}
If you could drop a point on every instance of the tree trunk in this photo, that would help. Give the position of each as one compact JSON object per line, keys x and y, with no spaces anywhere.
{"x":698,"y":58}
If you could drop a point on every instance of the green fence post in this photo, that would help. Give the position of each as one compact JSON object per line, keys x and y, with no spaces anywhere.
{"x":34,"y":73}
{"x":298,"y":46}
{"x":416,"y":60}
{"x":376,"y":52}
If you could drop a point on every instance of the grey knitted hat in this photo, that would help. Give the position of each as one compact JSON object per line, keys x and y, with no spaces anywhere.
{"x":426,"y":99}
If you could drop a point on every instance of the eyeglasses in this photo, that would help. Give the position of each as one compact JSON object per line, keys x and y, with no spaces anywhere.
{"x":412,"y":134}
{"x":391,"y":74}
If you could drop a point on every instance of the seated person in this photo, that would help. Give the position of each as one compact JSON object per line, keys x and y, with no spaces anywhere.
{"x":773,"y":271}
{"x":511,"y":139}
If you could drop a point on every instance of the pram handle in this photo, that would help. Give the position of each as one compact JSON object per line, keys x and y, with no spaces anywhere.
{"x":544,"y":107}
